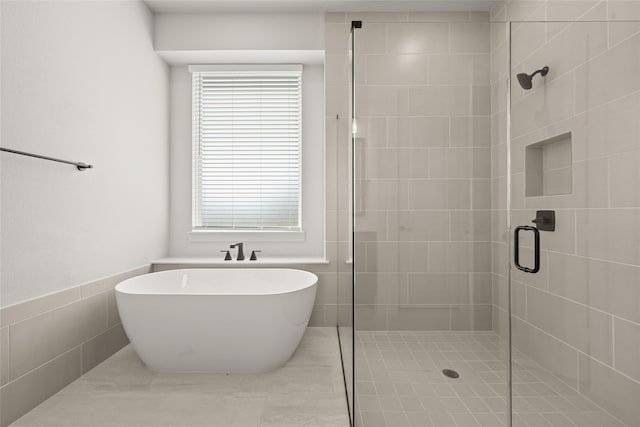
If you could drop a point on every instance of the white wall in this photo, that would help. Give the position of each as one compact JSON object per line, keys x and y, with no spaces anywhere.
{"x":234,"y":36}
{"x":80,"y":81}
{"x":240,"y":31}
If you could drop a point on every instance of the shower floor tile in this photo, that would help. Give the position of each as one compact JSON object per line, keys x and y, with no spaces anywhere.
{"x":399,"y":382}
{"x":308,"y":390}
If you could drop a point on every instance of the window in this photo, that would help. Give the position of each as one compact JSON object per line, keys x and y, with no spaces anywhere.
{"x":247,"y":147}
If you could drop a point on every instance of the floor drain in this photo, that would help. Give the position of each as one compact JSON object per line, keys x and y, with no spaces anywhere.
{"x":450,"y":373}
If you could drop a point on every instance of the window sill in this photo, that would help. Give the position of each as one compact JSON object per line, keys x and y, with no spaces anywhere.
{"x":246,"y":236}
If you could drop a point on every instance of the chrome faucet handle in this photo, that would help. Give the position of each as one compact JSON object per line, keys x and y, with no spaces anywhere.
{"x":240,"y":251}
{"x":227,"y":257}
{"x":253,"y":256}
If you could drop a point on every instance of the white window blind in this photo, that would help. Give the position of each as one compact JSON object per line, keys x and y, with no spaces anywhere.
{"x":247,"y":149}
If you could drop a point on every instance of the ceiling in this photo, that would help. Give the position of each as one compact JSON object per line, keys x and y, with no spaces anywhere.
{"x":278,"y":6}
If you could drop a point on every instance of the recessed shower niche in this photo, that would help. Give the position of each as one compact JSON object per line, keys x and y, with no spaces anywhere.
{"x":548,"y":169}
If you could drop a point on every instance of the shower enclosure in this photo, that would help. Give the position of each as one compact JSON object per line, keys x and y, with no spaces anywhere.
{"x":493,"y":227}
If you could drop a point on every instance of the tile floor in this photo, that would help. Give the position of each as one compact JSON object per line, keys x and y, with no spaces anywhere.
{"x":307,"y":391}
{"x":399,"y":383}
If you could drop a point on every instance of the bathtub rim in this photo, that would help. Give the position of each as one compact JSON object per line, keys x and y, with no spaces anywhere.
{"x":121,"y":288}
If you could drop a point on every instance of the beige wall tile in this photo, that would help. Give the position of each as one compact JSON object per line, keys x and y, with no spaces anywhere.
{"x":101,"y":347}
{"x":382,"y":163}
{"x":469,"y":38}
{"x":317,"y":315}
{"x":327,"y":288}
{"x":551,"y":353}
{"x":615,"y":122}
{"x":606,"y":286}
{"x":397,"y":69}
{"x":501,"y":258}
{"x":619,"y":31}
{"x":370,"y":317}
{"x":382,"y":257}
{"x":595,"y":83}
{"x":337,"y":70}
{"x":627,"y":348}
{"x":460,"y":69}
{"x":526,"y":38}
{"x":345,"y":315}
{"x":480,"y":16}
{"x":4,"y":356}
{"x":498,"y":11}
{"x":24,"y":394}
{"x":380,"y":288}
{"x":418,"y":38}
{"x":458,"y":194}
{"x":423,"y":226}
{"x":539,"y":281}
{"x":481,"y":288}
{"x":441,"y":16}
{"x":568,"y":10}
{"x":471,"y":225}
{"x":612,"y":235}
{"x":413,"y":257}
{"x":609,"y":389}
{"x":382,"y":100}
{"x":371,"y":38}
{"x":110,"y":282}
{"x":36,"y":340}
{"x":481,"y":100}
{"x":481,"y":194}
{"x":113,"y":315}
{"x":335,"y":17}
{"x":427,"y":132}
{"x":544,"y":104}
{"x":438,"y":288}
{"x":336,"y":100}
{"x":518,"y":300}
{"x":560,"y":240}
{"x":624,"y":174}
{"x":336,"y":38}
{"x":459,"y":257}
{"x":523,"y":10}
{"x":557,"y":181}
{"x":382,"y":194}
{"x":573,"y":46}
{"x":427,"y":194}
{"x":471,"y":318}
{"x":470,"y":132}
{"x":442,"y":100}
{"x":34,"y":307}
{"x":500,"y":291}
{"x":588,"y":330}
{"x":623,"y":10}
{"x":369,"y":17}
{"x":421,"y":318}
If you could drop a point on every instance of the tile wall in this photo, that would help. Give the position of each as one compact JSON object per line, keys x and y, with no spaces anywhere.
{"x":580,"y":316}
{"x":423,"y":166}
{"x":50,"y":341}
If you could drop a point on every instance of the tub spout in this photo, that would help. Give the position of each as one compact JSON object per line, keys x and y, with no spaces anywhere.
{"x":240,"y":251}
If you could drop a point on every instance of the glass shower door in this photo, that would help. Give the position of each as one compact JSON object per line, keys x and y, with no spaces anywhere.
{"x":575,"y":218}
{"x":426,"y":350}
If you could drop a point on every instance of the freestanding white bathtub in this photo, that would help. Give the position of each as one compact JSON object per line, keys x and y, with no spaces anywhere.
{"x":217,"y":319}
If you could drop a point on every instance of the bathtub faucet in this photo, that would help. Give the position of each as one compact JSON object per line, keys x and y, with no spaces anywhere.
{"x":240,"y":251}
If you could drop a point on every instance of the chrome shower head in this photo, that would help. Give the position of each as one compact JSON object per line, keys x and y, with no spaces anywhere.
{"x":525,"y":79}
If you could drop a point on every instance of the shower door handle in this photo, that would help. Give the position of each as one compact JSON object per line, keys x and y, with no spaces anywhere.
{"x":536,"y":249}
